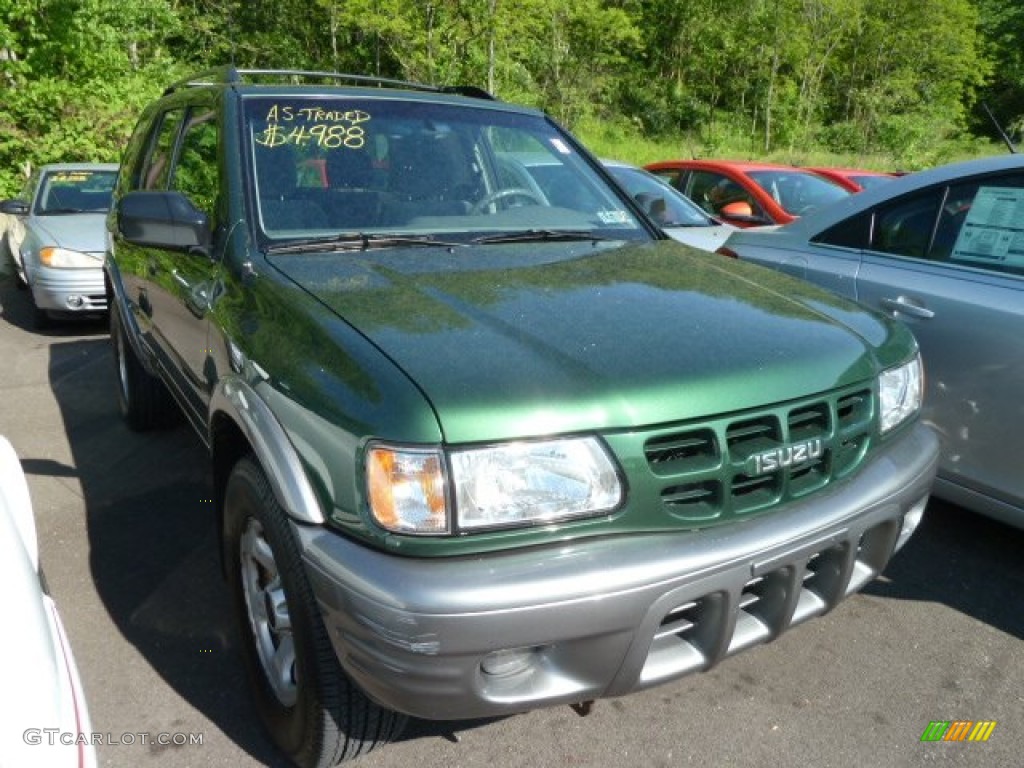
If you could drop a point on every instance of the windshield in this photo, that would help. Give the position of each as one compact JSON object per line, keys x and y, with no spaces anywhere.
{"x":798,"y":192}
{"x":663,"y":203}
{"x":330,"y":165}
{"x":75,"y":191}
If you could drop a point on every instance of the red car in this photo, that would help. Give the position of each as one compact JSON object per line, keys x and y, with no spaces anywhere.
{"x":854,"y":179}
{"x":749,"y":194}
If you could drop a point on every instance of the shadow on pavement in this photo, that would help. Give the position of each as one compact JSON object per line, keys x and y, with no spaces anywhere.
{"x":153,"y":548}
{"x":965,"y":561}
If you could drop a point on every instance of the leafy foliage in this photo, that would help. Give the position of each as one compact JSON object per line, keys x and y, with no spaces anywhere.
{"x":895,"y":78}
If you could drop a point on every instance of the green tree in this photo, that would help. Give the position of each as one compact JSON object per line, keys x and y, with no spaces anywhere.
{"x":1002,"y":26}
{"x":75,"y":75}
{"x":909,"y":76}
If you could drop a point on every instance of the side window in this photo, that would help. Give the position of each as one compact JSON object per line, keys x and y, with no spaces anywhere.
{"x":713,"y":192}
{"x":670,"y":176}
{"x":699,"y":187}
{"x":905,"y":228}
{"x":854,"y":232}
{"x":974,"y":223}
{"x":28,"y":191}
{"x":980,"y":225}
{"x":195,"y":174}
{"x":156,"y":169}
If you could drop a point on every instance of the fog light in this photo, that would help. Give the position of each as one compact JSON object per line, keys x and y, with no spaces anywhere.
{"x":910,"y":522}
{"x":508,"y":663}
{"x":74,"y":302}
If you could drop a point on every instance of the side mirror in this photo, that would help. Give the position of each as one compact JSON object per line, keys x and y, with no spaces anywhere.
{"x":739,"y":208}
{"x":14,"y":207}
{"x":163,"y":220}
{"x":740,"y":212}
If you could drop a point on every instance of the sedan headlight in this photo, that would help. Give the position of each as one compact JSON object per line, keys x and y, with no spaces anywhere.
{"x":62,"y":258}
{"x":510,"y":484}
{"x":900,"y":391}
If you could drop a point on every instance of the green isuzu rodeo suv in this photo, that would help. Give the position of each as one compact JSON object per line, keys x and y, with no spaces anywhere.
{"x":483,"y":439}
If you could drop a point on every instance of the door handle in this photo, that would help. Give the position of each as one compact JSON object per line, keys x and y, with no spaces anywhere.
{"x":904,"y":306}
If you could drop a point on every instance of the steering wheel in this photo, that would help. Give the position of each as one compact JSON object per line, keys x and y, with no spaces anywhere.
{"x":503,"y":194}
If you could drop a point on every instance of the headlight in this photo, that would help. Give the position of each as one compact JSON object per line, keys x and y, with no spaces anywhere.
{"x":62,"y":258}
{"x":496,"y":486}
{"x":900,"y":390}
{"x":526,"y":482}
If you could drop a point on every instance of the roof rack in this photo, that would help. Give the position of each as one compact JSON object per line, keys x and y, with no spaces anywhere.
{"x":229,"y":75}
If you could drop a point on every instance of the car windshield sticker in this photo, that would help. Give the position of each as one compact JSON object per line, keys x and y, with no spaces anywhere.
{"x":313,"y":126}
{"x":993,"y":232}
{"x":72,"y":177}
{"x":560,"y":146}
{"x":614,"y":217}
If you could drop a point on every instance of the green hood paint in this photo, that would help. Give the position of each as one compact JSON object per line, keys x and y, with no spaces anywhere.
{"x":511,"y":341}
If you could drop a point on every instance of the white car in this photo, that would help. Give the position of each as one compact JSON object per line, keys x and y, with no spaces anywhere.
{"x":44,"y":713}
{"x":678,"y":216}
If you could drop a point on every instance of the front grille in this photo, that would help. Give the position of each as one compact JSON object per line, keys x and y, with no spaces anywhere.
{"x":746,"y":463}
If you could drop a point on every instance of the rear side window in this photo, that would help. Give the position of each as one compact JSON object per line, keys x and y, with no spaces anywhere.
{"x":906,"y":228}
{"x":854,"y":232}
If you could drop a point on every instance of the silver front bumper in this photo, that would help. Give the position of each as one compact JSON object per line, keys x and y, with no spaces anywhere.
{"x":69,"y":290}
{"x":604,"y":617}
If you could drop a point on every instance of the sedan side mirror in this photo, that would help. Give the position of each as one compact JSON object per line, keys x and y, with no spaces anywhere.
{"x":163,"y":220}
{"x":741,"y":212}
{"x":14,"y":207}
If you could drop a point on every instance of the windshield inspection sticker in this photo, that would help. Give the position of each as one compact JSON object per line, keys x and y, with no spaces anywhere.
{"x":993,"y":232}
{"x":613,"y":217}
{"x":560,"y":146}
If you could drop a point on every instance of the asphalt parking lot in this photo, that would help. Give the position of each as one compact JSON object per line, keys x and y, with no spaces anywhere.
{"x":129,"y":548}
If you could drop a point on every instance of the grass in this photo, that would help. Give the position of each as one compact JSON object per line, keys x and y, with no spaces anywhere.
{"x":623,"y":142}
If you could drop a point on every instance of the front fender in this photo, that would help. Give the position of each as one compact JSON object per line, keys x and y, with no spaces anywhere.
{"x":239,"y":401}
{"x":116,"y":295}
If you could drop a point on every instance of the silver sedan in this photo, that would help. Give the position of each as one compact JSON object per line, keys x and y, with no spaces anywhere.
{"x":943,"y":250}
{"x":57,"y":244}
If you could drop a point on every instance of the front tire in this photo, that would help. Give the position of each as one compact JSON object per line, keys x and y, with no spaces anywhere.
{"x":313,"y":712}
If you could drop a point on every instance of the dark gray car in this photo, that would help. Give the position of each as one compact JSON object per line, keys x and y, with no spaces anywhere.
{"x":943,"y":250}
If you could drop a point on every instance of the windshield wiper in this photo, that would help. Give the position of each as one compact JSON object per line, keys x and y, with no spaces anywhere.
{"x":538,"y":235}
{"x":358,"y":241}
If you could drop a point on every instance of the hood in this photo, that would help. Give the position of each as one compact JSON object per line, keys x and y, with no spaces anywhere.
{"x":85,"y":232}
{"x":514,"y":340}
